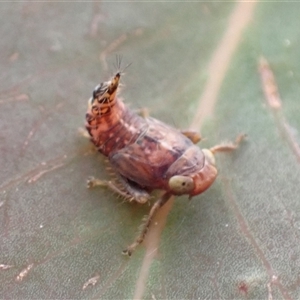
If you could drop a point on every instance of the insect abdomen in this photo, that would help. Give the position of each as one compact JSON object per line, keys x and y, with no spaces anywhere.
{"x":115,"y":130}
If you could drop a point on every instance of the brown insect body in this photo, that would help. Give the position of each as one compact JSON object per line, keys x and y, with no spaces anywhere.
{"x":144,"y":151}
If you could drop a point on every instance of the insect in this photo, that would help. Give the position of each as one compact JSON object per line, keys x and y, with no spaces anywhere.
{"x":146,"y":154}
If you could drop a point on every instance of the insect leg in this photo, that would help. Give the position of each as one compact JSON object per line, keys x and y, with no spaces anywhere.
{"x":122,"y":187}
{"x":134,"y":192}
{"x":229,"y":146}
{"x":140,"y":238}
{"x":84,"y":133}
{"x":143,"y":112}
{"x":192,"y":135}
{"x":94,"y":182}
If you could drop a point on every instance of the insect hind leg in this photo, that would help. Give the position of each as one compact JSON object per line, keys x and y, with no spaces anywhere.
{"x":135,"y":192}
{"x":124,"y":188}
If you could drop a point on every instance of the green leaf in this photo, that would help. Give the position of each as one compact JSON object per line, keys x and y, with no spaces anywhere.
{"x":194,"y":65}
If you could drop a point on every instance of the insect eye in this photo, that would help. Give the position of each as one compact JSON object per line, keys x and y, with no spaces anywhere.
{"x":181,"y":184}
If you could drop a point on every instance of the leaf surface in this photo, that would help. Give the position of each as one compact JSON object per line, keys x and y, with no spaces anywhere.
{"x":240,"y":239}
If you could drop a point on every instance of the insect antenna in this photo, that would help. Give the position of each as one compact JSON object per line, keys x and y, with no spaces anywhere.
{"x":118,"y":63}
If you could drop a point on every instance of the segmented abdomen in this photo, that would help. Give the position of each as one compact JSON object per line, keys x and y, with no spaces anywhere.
{"x":115,"y":129}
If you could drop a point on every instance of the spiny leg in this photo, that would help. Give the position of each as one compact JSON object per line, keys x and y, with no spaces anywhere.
{"x":140,"y":238}
{"x":136,"y":193}
{"x":123,"y":188}
{"x":229,"y":146}
{"x":94,"y":182}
